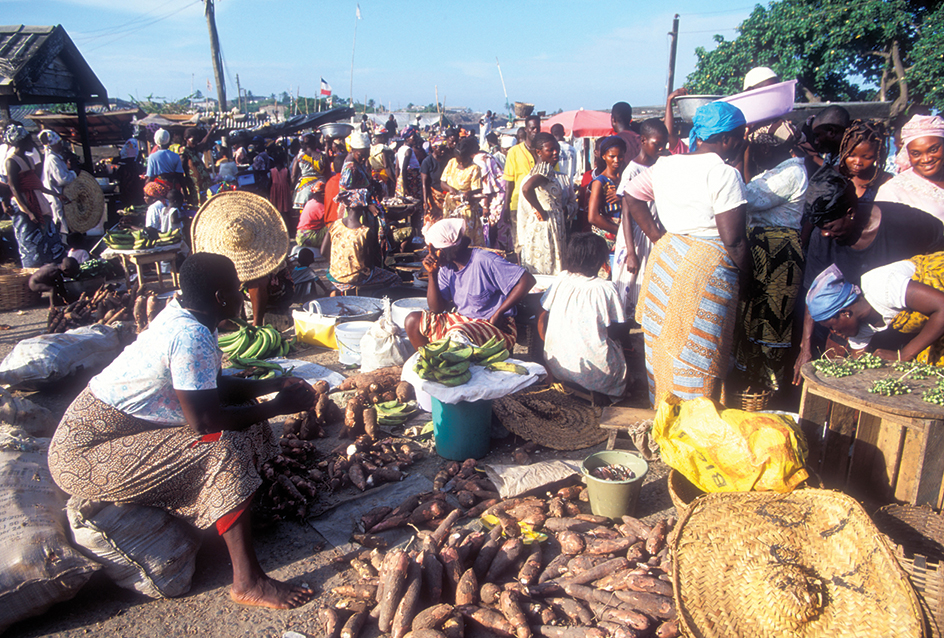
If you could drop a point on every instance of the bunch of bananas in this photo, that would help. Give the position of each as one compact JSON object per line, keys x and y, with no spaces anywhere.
{"x":140,"y":239}
{"x":251,"y":342}
{"x":448,"y":363}
{"x":120,"y":240}
{"x":258,"y":369}
{"x":394,"y":412}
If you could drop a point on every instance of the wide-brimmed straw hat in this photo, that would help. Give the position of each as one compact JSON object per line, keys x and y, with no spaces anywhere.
{"x":805,"y":564}
{"x":550,"y":417}
{"x":246,"y":228}
{"x":86,"y":203}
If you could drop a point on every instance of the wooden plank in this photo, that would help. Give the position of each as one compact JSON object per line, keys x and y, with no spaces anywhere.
{"x":864,"y":453}
{"x":912,"y":453}
{"x":931,"y":470}
{"x":839,"y":437}
{"x":888,"y":452}
{"x":615,"y":417}
{"x":814,"y":410}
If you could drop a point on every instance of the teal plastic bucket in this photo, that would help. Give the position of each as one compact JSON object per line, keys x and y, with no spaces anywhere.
{"x":462,"y":430}
{"x":614,"y":499}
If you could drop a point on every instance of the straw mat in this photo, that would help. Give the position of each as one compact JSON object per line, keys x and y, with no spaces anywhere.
{"x":86,"y":205}
{"x":246,"y":228}
{"x":804,"y":564}
{"x":550,"y":417}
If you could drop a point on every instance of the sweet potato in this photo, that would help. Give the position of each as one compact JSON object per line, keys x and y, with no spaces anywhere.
{"x":656,"y":539}
{"x":432,"y":576}
{"x":409,"y":603}
{"x":601,"y":546}
{"x":356,"y":474}
{"x":569,"y":493}
{"x":616,"y":630}
{"x":487,"y":553}
{"x":489,"y":593}
{"x":661,"y":607}
{"x":637,"y":552}
{"x":363,"y":592}
{"x":466,"y":498}
{"x":511,"y":608}
{"x":488,"y":619}
{"x":552,"y":631}
{"x":649,"y":584}
{"x":510,"y":551}
{"x":668,"y":629}
{"x":577,"y":613}
{"x":396,"y":573}
{"x":454,"y":627}
{"x":404,"y":392}
{"x":352,"y":628}
{"x":621,"y":616}
{"x":329,"y":622}
{"x":638,"y":528}
{"x":601,"y":570}
{"x":452,"y":566}
{"x":558,"y":525}
{"x":571,"y":543}
{"x":443,"y":530}
{"x":481,"y":508}
{"x":555,"y":568}
{"x":374,"y":516}
{"x":432,"y":617}
{"x":426,"y":633}
{"x":531,"y":514}
{"x":428,"y":511}
{"x":531,"y":568}
{"x":468,"y":588}
{"x":364,"y":569}
{"x":353,"y":605}
{"x":470,"y":545}
{"x":369,"y":415}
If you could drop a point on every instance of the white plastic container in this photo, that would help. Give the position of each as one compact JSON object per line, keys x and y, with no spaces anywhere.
{"x":348,"y":335}
{"x":400,"y":308}
{"x":766,"y":102}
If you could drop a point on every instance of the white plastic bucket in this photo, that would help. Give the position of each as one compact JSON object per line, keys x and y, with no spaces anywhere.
{"x":348,"y":335}
{"x":400,"y":308}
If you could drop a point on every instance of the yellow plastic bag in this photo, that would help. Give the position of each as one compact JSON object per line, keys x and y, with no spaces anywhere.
{"x":730,"y":451}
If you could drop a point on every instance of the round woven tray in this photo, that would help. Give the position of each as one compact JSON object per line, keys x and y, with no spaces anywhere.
{"x":804,"y":564}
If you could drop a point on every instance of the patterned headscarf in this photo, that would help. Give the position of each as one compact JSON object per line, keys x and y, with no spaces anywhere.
{"x":14,"y":134}
{"x":825,"y":196}
{"x":48,"y":138}
{"x":922,"y":126}
{"x":156,"y":190}
{"x":829,"y":294}
{"x":409,"y":132}
{"x":714,"y":118}
{"x":777,"y":133}
{"x":130,"y":149}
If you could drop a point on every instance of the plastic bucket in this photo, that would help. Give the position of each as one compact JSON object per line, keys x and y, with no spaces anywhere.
{"x":614,"y":499}
{"x":462,"y":430}
{"x":348,"y":335}
{"x":400,"y":308}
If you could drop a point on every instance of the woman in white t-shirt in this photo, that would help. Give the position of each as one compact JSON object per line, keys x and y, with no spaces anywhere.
{"x":688,"y":303}
{"x":904,"y":295}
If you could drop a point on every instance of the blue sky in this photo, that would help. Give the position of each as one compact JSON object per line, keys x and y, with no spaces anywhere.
{"x":556,"y":54}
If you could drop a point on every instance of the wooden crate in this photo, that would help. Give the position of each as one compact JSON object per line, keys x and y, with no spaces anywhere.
{"x":875,"y":447}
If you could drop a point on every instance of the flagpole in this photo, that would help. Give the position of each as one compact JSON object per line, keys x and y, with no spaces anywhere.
{"x":357,"y":17}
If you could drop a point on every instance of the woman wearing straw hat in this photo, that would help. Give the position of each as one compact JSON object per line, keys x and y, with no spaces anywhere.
{"x":36,"y":237}
{"x":160,"y":427}
{"x":55,"y":176}
{"x":248,"y":230}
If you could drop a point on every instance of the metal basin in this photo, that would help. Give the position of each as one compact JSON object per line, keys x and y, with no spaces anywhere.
{"x":336,"y":130}
{"x":688,"y":104}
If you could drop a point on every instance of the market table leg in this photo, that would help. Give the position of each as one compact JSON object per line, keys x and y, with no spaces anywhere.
{"x":922,"y":465}
{"x":885,"y":469}
{"x":838,"y":439}
{"x":865,"y":455}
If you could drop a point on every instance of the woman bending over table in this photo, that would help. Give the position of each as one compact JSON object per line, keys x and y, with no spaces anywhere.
{"x":155,"y":427}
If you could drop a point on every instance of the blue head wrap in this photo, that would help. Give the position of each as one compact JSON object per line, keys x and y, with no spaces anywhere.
{"x":713,"y":118}
{"x":829,"y":294}
{"x":609,"y":142}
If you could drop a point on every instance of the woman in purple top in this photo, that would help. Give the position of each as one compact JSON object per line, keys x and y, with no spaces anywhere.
{"x":472,"y":292}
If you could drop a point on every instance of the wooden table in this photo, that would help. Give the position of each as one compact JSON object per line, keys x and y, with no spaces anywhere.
{"x":873,"y":446}
{"x":149,"y":256}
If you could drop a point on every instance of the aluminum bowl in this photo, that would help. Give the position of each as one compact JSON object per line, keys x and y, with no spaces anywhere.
{"x":688,"y":104}
{"x":336,"y":130}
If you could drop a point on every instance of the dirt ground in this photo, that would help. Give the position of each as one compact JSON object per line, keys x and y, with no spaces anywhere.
{"x":287,"y":551}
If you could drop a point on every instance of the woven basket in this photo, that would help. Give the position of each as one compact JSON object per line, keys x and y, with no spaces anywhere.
{"x":682,"y":491}
{"x":14,"y":289}
{"x":523,"y":109}
{"x":750,"y":401}
{"x":918,"y":533}
{"x":805,"y":564}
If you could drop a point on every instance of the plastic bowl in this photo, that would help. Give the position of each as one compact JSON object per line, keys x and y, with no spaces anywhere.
{"x":766,"y":102}
{"x":402,"y":307}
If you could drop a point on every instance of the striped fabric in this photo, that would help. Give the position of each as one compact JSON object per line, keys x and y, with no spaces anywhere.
{"x":435,"y":326}
{"x":687,"y":309}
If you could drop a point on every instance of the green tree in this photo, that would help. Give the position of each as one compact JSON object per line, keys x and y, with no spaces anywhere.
{"x":836,"y":49}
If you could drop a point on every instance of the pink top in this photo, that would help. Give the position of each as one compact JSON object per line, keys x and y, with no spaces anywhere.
{"x":312,"y":217}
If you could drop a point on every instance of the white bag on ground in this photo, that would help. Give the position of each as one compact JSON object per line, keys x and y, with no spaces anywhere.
{"x":23,"y":413}
{"x":38,"y":566}
{"x":385,"y":343}
{"x":40,"y":361}
{"x":141,"y":548}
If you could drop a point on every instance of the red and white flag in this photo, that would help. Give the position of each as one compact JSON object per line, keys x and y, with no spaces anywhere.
{"x":325,"y":87}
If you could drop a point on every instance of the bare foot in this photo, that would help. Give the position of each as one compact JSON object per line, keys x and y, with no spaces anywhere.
{"x":268,"y":592}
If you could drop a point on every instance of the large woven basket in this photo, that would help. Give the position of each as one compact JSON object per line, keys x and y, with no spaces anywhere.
{"x":805,"y":564}
{"x":750,"y":401}
{"x":918,"y":533}
{"x":14,"y":288}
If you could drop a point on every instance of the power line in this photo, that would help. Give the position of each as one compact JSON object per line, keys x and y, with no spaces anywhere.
{"x":84,"y":36}
{"x":143,"y":26}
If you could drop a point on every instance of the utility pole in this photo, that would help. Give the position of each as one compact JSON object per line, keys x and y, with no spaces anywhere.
{"x":673,"y":47}
{"x":239,"y":95}
{"x":215,"y":52}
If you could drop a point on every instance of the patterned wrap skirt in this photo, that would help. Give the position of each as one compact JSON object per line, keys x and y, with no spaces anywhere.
{"x":765,"y":334}
{"x":438,"y":325}
{"x":929,"y":270}
{"x":101,"y":454}
{"x":687,"y":310}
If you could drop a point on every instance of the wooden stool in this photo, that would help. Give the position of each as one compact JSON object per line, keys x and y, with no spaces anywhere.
{"x":143,"y":259}
{"x":883,"y":448}
{"x":618,"y":419}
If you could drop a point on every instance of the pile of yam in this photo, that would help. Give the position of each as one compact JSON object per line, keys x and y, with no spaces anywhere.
{"x":105,"y":306}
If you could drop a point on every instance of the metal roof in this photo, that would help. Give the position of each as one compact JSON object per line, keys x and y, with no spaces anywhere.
{"x":41,"y":65}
